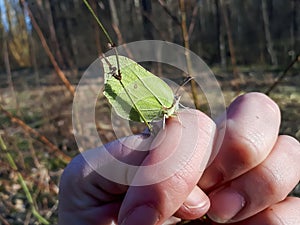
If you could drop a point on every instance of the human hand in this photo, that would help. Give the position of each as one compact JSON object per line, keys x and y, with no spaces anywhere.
{"x":87,"y":198}
{"x":90,"y":199}
{"x":255,"y":169}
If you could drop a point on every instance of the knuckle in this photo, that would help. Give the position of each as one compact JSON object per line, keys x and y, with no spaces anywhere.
{"x":247,"y":145}
{"x":272,"y":183}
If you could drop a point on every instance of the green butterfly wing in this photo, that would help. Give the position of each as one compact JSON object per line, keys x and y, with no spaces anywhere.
{"x":151,"y":95}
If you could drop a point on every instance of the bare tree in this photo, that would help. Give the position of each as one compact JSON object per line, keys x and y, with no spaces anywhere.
{"x":96,"y":29}
{"x":59,"y":72}
{"x":269,"y":40}
{"x":294,"y":26}
{"x":17,"y":42}
{"x":53,"y":37}
{"x":9,"y":75}
{"x":146,"y":15}
{"x":220,"y":36}
{"x":2,"y":33}
{"x":185,"y":37}
{"x":229,"y":37}
{"x":114,"y":13}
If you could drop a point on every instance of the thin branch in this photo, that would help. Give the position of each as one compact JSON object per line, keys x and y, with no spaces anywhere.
{"x":98,"y":21}
{"x":193,"y":20}
{"x":164,"y":6}
{"x":121,"y":41}
{"x":4,"y":221}
{"x":33,"y":152}
{"x":52,"y":148}
{"x":39,"y":32}
{"x":187,"y":53}
{"x":22,"y":182}
{"x":279,"y":79}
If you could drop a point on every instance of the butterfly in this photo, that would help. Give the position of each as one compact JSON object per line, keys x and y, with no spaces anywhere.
{"x":135,"y":93}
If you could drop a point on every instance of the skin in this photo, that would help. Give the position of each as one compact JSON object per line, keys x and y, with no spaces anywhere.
{"x":246,"y":181}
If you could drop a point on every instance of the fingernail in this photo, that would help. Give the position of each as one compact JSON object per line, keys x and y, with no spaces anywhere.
{"x":196,"y":200}
{"x":145,"y":215}
{"x":225,"y":204}
{"x":211,"y":179}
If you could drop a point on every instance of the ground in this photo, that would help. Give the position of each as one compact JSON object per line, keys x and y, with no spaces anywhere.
{"x":44,"y":104}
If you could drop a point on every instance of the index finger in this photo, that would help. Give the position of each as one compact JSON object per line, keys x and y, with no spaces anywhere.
{"x":187,"y":143}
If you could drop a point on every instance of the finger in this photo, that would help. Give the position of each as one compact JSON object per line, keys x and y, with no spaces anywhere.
{"x":196,"y":205}
{"x":252,"y":127}
{"x":286,"y":212}
{"x":89,"y":190}
{"x":267,"y":184}
{"x":187,"y":141}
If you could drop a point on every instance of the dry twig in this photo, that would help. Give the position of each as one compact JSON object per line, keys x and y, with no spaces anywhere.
{"x":121,"y":41}
{"x":279,"y":79}
{"x":39,"y":32}
{"x":4,"y":221}
{"x":52,"y":148}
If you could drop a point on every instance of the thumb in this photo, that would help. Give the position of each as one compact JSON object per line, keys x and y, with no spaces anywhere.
{"x":170,"y":172}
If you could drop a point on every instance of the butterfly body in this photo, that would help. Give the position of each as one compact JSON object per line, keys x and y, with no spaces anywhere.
{"x":135,"y":93}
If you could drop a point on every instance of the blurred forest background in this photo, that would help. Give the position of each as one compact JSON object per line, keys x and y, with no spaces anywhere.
{"x":45,"y":46}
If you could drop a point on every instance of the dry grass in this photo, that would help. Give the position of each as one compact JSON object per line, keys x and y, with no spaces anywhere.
{"x":48,"y":107}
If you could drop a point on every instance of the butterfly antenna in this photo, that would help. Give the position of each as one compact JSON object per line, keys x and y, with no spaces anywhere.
{"x":106,"y":60}
{"x":185,"y":81}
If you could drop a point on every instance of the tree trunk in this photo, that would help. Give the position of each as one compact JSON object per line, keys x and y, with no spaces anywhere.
{"x":33,"y":60}
{"x":114,"y":13}
{"x":53,"y":37}
{"x":185,"y":36}
{"x":39,"y":32}
{"x":146,"y":14}
{"x":135,"y":15}
{"x":230,"y":40}
{"x":115,"y":20}
{"x":193,"y":20}
{"x":9,"y":75}
{"x":6,"y":57}
{"x":96,"y":29}
{"x":220,"y":37}
{"x":269,"y":41}
{"x":69,"y":48}
{"x":294,"y":27}
{"x":32,"y":52}
{"x":2,"y":34}
{"x":8,"y":16}
{"x":16,"y":43}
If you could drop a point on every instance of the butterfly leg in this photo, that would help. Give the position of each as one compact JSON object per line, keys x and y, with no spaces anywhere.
{"x":164,"y":121}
